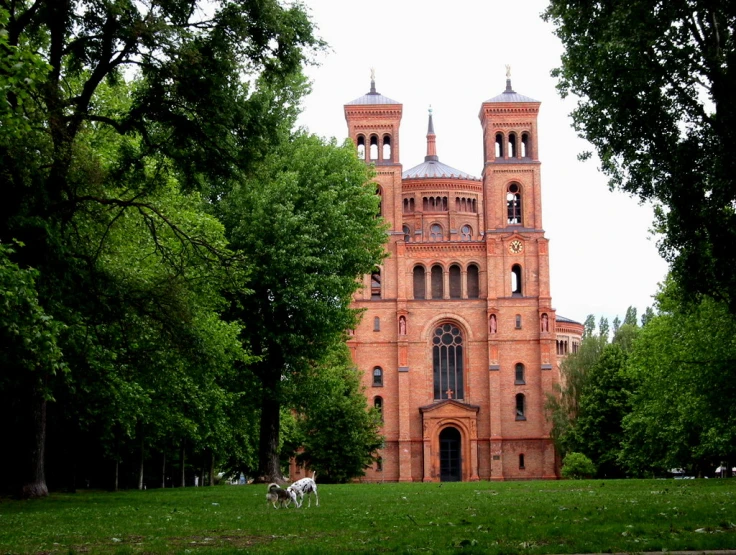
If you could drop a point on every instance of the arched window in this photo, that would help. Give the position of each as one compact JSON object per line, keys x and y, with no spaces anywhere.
{"x":361,"y":147}
{"x":386,"y":154}
{"x":447,"y":362}
{"x":499,"y":145}
{"x":521,"y":462}
{"x":374,"y":148}
{"x":520,"y":407}
{"x":517,"y":320}
{"x":379,"y":464}
{"x":519,"y":374}
{"x":407,"y":233}
{"x":513,"y":204}
{"x":512,"y":145}
{"x":437,"y":282}
{"x":378,"y":405}
{"x":516,"y":280}
{"x":376,"y":324}
{"x":525,"y":145}
{"x":473,"y":282}
{"x":377,"y":377}
{"x":435,"y":233}
{"x":379,"y":192}
{"x":419,"y":282}
{"x":376,"y":284}
{"x":455,"y":282}
{"x":466,"y":233}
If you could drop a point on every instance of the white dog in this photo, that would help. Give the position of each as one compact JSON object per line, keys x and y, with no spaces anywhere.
{"x":280,"y":497}
{"x":304,"y":486}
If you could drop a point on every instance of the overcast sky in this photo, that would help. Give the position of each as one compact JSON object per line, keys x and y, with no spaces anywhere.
{"x":452,"y":56}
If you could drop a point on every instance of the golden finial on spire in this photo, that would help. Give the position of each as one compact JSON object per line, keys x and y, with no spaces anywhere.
{"x":508,"y":71}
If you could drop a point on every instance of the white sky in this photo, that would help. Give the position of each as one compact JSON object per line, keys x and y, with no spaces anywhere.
{"x":452,"y":56}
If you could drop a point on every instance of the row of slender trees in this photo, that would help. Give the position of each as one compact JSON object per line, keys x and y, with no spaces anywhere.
{"x":176,"y":260}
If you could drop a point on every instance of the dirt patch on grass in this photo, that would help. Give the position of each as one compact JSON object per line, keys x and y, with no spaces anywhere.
{"x":222,"y":540}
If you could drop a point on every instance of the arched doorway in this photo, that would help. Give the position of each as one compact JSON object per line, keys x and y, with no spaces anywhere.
{"x":450,"y":459}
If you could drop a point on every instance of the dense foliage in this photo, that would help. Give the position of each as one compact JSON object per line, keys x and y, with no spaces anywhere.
{"x":683,"y":414}
{"x":657,"y":397}
{"x":131,"y":134}
{"x":656,"y":82}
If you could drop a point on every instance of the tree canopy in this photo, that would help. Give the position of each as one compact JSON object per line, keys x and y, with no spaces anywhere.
{"x":655,"y":83}
{"x":127,"y":128}
{"x":306,"y":220}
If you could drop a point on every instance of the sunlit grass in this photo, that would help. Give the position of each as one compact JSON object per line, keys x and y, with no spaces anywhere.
{"x":481,"y":517}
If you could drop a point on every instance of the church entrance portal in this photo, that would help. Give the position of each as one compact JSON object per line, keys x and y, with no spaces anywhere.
{"x":450,"y":459}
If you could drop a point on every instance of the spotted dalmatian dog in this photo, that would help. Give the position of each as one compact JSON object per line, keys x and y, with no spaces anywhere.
{"x":305,"y":486}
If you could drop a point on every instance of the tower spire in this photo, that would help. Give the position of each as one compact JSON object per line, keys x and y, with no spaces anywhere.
{"x":508,"y":79}
{"x":373,"y":81}
{"x":431,"y":137}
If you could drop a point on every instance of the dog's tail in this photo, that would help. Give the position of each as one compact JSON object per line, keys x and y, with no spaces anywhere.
{"x":273,"y":486}
{"x":314,"y":475}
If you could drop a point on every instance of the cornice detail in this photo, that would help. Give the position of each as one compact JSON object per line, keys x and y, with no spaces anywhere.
{"x":430,"y":249}
{"x":471,"y":186}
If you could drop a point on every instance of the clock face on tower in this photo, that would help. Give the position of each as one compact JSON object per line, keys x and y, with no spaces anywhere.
{"x":516,"y":247}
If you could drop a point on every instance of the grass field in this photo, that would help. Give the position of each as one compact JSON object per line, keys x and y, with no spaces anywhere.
{"x":480,"y":517}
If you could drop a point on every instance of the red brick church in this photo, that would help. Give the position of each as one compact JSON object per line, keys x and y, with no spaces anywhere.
{"x":459,"y":341}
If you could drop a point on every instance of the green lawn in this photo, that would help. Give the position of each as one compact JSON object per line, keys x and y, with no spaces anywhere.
{"x":481,"y":517}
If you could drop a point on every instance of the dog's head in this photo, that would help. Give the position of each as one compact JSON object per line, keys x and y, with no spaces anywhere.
{"x":292,"y":494}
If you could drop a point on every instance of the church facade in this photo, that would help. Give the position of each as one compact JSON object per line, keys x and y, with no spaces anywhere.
{"x":459,"y":342}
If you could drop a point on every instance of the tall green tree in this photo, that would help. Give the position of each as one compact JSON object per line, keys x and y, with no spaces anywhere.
{"x":562,"y":406}
{"x":29,"y":359}
{"x":604,"y":401}
{"x":683,"y":415}
{"x":656,"y":82}
{"x":306,"y":219}
{"x":215,"y":84}
{"x":338,"y":435}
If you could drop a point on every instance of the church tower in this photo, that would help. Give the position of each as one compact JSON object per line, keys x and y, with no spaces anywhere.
{"x":457,"y":340}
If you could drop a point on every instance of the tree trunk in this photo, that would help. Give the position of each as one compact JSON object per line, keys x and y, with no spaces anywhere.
{"x":163,"y":471}
{"x":269,"y":467}
{"x":182,"y":455}
{"x":140,"y":468}
{"x":35,"y":483}
{"x":212,"y":468}
{"x":117,"y":475}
